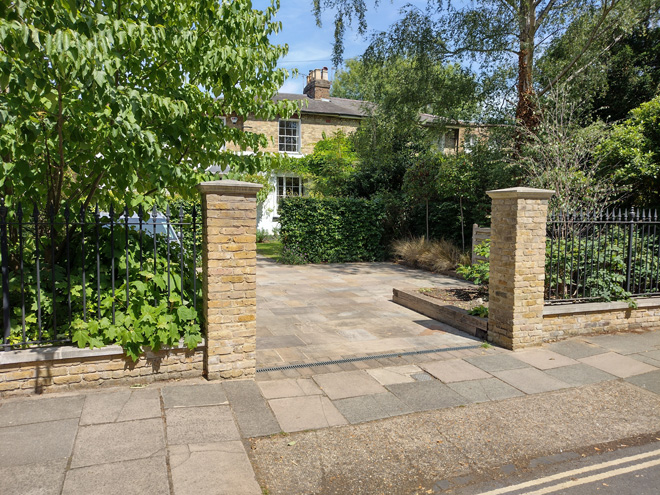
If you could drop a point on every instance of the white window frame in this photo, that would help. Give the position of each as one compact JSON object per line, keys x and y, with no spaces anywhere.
{"x":298,"y":142}
{"x":280,"y":194}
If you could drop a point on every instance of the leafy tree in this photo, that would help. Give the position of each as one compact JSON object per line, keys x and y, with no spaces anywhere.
{"x":331,"y":164}
{"x":622,"y":72}
{"x":561,"y":156}
{"x":120,"y":99}
{"x":631,"y":154}
{"x":491,"y":31}
{"x":419,"y":182}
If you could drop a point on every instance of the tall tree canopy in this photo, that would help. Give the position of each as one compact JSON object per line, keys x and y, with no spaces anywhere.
{"x":494,"y":32}
{"x":125,"y":97}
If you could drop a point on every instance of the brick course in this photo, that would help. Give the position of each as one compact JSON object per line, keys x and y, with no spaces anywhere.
{"x":111,"y":367}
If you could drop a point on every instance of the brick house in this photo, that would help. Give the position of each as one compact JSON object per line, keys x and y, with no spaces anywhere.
{"x":319,"y":114}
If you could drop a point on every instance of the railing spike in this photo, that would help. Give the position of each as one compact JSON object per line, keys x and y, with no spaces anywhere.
{"x":19,"y":212}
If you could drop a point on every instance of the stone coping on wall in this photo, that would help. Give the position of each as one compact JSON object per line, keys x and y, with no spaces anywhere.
{"x":38,"y":354}
{"x":596,"y":307}
{"x":229,"y":187}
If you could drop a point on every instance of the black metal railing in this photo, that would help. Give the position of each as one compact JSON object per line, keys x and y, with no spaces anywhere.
{"x":609,"y":255}
{"x":62,"y":266}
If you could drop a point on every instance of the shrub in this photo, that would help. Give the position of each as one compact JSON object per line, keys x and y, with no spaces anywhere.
{"x":332,"y":230}
{"x":479,"y":273}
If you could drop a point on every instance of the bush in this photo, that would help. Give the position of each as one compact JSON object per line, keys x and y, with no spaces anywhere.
{"x":479,"y":273}
{"x":332,"y":230}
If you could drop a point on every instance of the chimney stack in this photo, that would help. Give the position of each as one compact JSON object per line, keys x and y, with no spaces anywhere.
{"x":318,"y":84}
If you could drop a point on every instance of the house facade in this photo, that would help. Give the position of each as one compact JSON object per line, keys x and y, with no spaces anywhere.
{"x":319,"y":115}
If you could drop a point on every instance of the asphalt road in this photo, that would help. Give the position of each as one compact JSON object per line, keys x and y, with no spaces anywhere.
{"x":626,"y":470}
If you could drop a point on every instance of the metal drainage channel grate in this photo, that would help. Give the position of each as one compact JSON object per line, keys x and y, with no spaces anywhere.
{"x":364,"y":358}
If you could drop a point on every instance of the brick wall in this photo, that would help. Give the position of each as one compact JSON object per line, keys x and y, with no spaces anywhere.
{"x":311,"y":130}
{"x":59,"y":369}
{"x":576,"y":319}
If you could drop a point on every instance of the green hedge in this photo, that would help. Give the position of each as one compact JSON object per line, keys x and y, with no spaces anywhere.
{"x":333,"y":230}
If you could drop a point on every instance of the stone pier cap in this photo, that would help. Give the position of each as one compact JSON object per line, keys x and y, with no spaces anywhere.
{"x":229,"y":187}
{"x":521,"y":193}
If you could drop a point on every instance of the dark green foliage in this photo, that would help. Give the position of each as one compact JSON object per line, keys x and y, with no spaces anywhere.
{"x":149,"y":318}
{"x":332,"y":230}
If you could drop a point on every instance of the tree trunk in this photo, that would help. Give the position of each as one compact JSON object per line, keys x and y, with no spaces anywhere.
{"x":427,"y":220}
{"x":526,"y":114}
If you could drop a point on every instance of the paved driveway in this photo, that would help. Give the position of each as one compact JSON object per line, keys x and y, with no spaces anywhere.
{"x":316,"y":313}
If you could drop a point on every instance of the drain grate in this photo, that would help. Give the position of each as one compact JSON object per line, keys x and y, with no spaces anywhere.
{"x":364,"y":358}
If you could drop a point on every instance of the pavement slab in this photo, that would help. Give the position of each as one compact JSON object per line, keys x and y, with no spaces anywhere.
{"x":44,"y":478}
{"x":37,"y":442}
{"x":454,"y":370}
{"x":395,"y":374}
{"x":289,"y":387}
{"x":575,"y":349}
{"x":144,"y":476}
{"x":348,"y":384}
{"x":544,"y":359}
{"x":306,"y":413}
{"x":648,"y":357}
{"x":203,"y":394}
{"x":212,"y":468}
{"x":580,"y":374}
{"x":530,"y":380}
{"x":426,"y":395}
{"x":33,"y":410}
{"x":121,"y":405}
{"x":625,"y":343}
{"x":252,"y":413}
{"x":648,"y":381}
{"x":488,"y":389}
{"x":618,"y":365}
{"x":496,"y":362}
{"x":371,"y":407}
{"x":113,"y":442}
{"x":200,"y":424}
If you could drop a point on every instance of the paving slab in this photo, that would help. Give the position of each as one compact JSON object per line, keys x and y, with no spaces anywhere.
{"x":575,"y":349}
{"x":648,"y":357}
{"x":580,"y":374}
{"x":395,"y":374}
{"x":496,"y":362}
{"x":454,"y":370}
{"x":144,"y":476}
{"x":251,"y":411}
{"x":427,"y":395}
{"x":371,"y":407}
{"x":37,"y":410}
{"x":280,"y":340}
{"x":625,"y":343}
{"x":211,"y":394}
{"x":37,"y":442}
{"x":121,"y":405}
{"x":485,"y":390}
{"x":114,"y":442}
{"x":530,"y":380}
{"x":289,"y":387}
{"x":348,"y":384}
{"x":648,"y":381}
{"x":306,"y":413}
{"x":200,"y":425}
{"x":44,"y":478}
{"x":544,"y":359}
{"x":618,"y":365}
{"x":212,"y":468}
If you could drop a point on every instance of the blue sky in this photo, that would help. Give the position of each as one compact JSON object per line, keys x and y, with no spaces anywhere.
{"x":310,"y":47}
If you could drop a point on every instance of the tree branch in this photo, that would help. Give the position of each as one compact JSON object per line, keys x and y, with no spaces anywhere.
{"x":569,"y":66}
